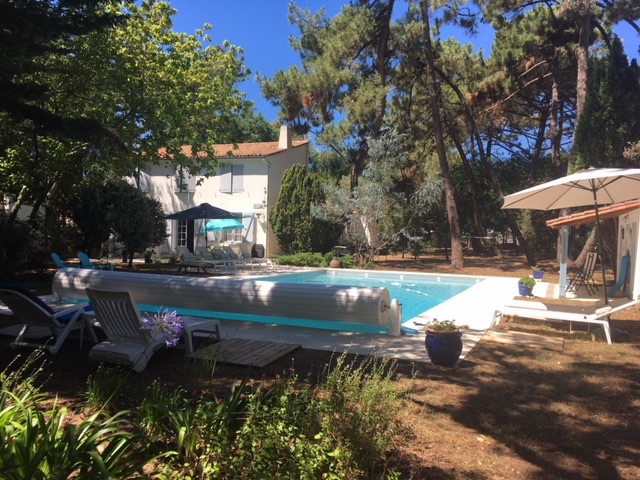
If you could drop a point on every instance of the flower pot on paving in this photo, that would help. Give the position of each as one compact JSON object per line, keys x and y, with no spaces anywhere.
{"x":444,"y":347}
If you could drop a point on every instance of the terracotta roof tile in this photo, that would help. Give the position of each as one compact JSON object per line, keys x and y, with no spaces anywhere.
{"x":589,"y":216}
{"x":260,"y":149}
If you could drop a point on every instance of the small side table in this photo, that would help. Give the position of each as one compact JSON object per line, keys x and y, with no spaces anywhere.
{"x":199,"y":328}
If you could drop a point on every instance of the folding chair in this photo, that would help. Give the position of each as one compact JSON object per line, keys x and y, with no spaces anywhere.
{"x":585,"y":275}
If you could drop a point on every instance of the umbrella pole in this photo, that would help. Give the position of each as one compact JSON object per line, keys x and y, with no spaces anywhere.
{"x":604,"y":282}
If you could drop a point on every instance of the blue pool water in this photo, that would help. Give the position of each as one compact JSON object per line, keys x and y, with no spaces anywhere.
{"x":416,"y":292}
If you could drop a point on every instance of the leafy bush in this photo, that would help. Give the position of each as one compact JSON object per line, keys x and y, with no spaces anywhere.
{"x":342,"y":428}
{"x":307,"y":259}
{"x":39,"y":443}
{"x":294,"y":226}
{"x":304,"y":259}
{"x":106,"y":387}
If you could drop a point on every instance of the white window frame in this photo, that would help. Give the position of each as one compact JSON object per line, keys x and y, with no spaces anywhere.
{"x":181,"y":233}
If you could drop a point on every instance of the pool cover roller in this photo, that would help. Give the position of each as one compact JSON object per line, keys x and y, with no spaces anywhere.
{"x":190,"y":295}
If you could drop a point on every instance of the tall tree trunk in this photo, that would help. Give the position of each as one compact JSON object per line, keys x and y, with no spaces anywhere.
{"x":582,"y":55}
{"x":457,"y":260}
{"x":483,"y":243}
{"x":381,"y":66}
{"x":583,"y":8}
{"x":541,"y":137}
{"x":484,"y":155}
{"x":555,"y":137}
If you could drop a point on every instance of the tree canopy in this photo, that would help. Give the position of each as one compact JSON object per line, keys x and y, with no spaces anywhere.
{"x":485,"y":124}
{"x":100,"y":87}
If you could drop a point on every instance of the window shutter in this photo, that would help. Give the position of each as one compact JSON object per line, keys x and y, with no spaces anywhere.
{"x":225,"y":179}
{"x":238,"y":178}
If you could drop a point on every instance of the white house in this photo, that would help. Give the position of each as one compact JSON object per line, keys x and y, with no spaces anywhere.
{"x":247,"y":183}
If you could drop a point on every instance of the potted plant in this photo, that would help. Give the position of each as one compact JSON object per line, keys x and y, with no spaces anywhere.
{"x":537,"y":273}
{"x":443,"y":342}
{"x":175,"y":258}
{"x":525,"y":286}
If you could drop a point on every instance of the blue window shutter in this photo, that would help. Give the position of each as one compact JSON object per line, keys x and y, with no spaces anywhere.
{"x":238,"y":178}
{"x":225,"y":179}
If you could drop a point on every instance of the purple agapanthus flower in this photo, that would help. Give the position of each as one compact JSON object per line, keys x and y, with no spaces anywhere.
{"x":167,"y":322}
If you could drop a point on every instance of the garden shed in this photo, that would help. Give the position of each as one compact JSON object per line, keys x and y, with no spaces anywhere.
{"x":628,"y":214}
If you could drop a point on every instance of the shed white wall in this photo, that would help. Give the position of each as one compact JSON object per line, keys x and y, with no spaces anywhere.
{"x":628,"y":241}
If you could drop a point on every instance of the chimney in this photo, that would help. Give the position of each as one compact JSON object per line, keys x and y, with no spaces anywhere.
{"x":284,"y":143}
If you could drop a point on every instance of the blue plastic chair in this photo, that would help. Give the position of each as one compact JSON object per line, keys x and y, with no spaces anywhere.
{"x":85,"y":262}
{"x":58,"y":261}
{"x":622,"y":275}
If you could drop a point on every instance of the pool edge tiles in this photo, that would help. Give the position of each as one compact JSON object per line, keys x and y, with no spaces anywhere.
{"x":476,"y":306}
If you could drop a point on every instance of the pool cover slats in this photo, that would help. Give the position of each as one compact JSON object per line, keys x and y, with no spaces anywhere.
{"x":197,"y":296}
{"x":237,"y":351}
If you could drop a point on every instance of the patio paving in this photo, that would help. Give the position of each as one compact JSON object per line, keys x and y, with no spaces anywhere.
{"x":474,"y":307}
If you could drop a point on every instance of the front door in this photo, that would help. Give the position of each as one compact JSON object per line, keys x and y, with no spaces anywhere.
{"x":190,"y":230}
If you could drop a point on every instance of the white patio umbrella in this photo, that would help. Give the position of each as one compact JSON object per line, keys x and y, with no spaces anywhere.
{"x":593,"y":186}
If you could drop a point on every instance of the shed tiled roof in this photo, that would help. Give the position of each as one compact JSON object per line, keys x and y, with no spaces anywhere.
{"x":227,"y":150}
{"x":589,"y":216}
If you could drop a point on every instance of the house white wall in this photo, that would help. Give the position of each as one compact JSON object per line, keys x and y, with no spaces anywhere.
{"x":260,"y":187}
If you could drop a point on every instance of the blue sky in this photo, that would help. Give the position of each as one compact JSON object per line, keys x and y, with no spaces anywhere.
{"x":262,"y":29}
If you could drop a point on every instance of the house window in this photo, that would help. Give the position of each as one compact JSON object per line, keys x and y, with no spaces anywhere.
{"x":185,"y":182}
{"x":231,"y":178}
{"x":182,"y":233}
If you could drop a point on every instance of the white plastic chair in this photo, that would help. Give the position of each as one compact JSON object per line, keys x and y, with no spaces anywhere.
{"x":127,"y":343}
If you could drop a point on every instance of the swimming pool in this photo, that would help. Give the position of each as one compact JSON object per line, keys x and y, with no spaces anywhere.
{"x":417,"y":292}
{"x":354,"y":301}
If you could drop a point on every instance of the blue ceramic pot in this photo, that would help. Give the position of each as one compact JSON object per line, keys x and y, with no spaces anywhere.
{"x":444,"y":348}
{"x":524,"y":291}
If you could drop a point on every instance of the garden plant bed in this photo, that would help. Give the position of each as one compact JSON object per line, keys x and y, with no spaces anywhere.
{"x":507,"y":411}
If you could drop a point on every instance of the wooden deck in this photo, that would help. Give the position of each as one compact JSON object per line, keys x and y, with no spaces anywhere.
{"x":237,"y":351}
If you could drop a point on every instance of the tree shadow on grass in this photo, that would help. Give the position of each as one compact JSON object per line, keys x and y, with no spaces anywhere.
{"x":570,"y":416}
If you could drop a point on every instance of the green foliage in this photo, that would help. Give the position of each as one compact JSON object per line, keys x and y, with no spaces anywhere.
{"x":41,"y":443}
{"x":609,"y":123}
{"x":359,"y":411}
{"x":304,"y":259}
{"x":443,"y":325}
{"x":99,"y":86}
{"x":527,"y":281}
{"x":534,"y":228}
{"x":15,"y":245}
{"x":308,"y":259}
{"x":106,"y":388}
{"x":100,"y":207}
{"x":343,"y":428}
{"x":296,"y":229}
{"x":35,"y":43}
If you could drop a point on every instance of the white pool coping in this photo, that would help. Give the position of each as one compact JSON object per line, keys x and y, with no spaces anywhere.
{"x":474,"y":307}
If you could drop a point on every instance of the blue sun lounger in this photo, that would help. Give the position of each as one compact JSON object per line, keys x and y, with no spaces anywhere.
{"x":622,"y":275}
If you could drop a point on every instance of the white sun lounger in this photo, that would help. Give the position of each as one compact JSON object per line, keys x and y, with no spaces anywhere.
{"x":547,"y":311}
